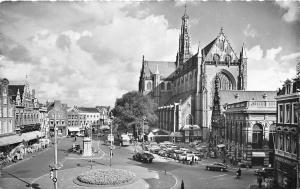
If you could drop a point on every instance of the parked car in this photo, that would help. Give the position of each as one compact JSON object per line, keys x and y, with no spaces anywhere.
{"x":265,"y":172}
{"x":79,"y":134}
{"x":154,"y":149}
{"x":217,"y":167}
{"x":190,"y":156}
{"x":162,"y":153}
{"x":143,"y":157}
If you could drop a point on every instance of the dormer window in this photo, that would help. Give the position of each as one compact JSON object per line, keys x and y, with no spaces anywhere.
{"x":288,"y":88}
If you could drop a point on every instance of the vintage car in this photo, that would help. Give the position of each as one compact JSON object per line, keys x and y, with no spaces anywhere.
{"x":143,"y":157}
{"x":217,"y":167}
{"x":162,"y":153}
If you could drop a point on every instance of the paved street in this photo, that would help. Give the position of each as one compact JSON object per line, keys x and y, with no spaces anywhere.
{"x":22,"y":174}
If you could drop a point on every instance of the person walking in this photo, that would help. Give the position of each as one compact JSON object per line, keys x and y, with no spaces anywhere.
{"x":259,"y":181}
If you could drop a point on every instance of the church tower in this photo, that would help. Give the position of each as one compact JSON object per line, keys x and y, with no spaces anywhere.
{"x":184,"y":52}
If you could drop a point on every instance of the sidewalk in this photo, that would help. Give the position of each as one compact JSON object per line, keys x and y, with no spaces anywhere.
{"x":65,"y":178}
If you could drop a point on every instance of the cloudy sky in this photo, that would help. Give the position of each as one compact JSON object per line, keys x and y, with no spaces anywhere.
{"x":90,"y":53}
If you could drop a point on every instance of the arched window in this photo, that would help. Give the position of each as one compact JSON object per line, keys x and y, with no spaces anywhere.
{"x":168,"y":86}
{"x":228,"y":59}
{"x":257,"y":136}
{"x":149,"y":86}
{"x":189,"y":120}
{"x":216,"y":58}
{"x":224,"y":82}
{"x":162,"y":86}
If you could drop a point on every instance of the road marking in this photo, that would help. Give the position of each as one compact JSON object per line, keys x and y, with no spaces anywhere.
{"x":176,"y":180}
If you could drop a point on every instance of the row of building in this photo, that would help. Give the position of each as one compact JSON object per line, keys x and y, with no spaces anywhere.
{"x":204,"y":96}
{"x":23,"y":118}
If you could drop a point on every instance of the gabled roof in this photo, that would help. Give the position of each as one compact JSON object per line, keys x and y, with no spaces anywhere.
{"x":13,"y":91}
{"x":163,"y":67}
{"x":233,"y":96}
{"x":208,"y":48}
{"x":87,"y":110}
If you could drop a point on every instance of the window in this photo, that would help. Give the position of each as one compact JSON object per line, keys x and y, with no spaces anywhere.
{"x":287,"y":113}
{"x":168,"y":86}
{"x":288,"y":89}
{"x":162,"y":86}
{"x":216,"y":58}
{"x":280,"y":113}
{"x":228,"y":59}
{"x":257,"y":136}
{"x":280,"y":142}
{"x":294,"y":114}
{"x":149,"y":86}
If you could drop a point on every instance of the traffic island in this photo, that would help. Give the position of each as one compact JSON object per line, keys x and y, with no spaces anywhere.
{"x":105,"y":177}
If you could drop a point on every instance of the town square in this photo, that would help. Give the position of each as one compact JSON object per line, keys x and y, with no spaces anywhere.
{"x":150,"y":94}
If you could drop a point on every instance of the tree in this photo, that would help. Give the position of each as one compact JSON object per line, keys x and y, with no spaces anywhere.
{"x":131,"y":109}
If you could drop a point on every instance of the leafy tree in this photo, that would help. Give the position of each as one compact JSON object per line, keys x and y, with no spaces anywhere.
{"x":131,"y":109}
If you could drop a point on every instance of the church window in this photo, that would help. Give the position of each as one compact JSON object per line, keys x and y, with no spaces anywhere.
{"x":228,"y":59}
{"x":216,"y":58}
{"x":149,"y":86}
{"x":162,"y":86}
{"x":168,"y":86}
{"x":189,"y":120}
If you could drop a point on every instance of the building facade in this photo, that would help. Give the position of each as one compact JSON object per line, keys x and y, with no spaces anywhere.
{"x":287,"y":135}
{"x":7,"y":125}
{"x":26,"y":108}
{"x":250,"y":132}
{"x":184,"y":89}
{"x":192,"y":91}
{"x":58,"y":117}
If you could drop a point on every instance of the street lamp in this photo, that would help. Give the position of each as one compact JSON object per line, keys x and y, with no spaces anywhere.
{"x":111,"y":137}
{"x":144,"y":118}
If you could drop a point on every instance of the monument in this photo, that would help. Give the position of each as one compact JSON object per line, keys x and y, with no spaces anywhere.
{"x":87,"y":144}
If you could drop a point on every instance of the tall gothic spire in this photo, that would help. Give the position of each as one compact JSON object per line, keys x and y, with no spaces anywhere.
{"x":184,"y":39}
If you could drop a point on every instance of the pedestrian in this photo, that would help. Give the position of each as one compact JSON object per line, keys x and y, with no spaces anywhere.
{"x":193,"y":159}
{"x":259,"y":181}
{"x":75,"y":138}
{"x":224,"y":161}
{"x":182,"y":184}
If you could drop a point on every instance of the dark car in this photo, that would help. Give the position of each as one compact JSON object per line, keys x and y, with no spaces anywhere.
{"x":217,"y":167}
{"x":265,"y":172}
{"x":143,"y":157}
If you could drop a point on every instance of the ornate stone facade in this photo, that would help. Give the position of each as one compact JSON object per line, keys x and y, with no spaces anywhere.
{"x":7,"y":125}
{"x":250,"y":131}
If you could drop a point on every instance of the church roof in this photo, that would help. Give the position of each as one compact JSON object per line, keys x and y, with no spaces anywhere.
{"x":88,"y":110}
{"x":164,"y":68}
{"x":13,"y":91}
{"x":234,"y":96}
{"x":183,"y":97}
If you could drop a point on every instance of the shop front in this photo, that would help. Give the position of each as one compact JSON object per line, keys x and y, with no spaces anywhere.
{"x":286,"y":173}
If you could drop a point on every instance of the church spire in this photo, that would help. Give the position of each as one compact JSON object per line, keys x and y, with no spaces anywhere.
{"x":243,"y":52}
{"x":184,"y":39}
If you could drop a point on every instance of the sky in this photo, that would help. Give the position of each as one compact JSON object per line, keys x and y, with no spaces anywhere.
{"x":90,"y":53}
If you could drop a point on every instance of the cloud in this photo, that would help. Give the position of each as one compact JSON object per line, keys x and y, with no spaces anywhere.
{"x":291,"y":10}
{"x":88,"y":59}
{"x":250,"y":31}
{"x":267,"y":72}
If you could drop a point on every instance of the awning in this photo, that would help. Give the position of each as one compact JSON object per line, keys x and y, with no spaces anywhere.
{"x":7,"y":140}
{"x":258,"y":154}
{"x":73,"y":129}
{"x":30,"y":135}
{"x":221,"y":145}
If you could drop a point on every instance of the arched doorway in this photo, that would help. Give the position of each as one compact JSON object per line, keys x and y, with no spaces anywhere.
{"x":257,"y":145}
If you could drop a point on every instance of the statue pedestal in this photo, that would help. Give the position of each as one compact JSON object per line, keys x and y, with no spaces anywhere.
{"x":87,"y":147}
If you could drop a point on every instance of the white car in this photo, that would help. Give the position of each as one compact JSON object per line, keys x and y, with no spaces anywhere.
{"x":190,"y":157}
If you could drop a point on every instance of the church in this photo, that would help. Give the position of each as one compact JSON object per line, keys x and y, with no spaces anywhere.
{"x":193,"y":91}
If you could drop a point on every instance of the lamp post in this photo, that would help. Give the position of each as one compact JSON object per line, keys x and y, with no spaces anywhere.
{"x":111,"y":138}
{"x":144,"y":118}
